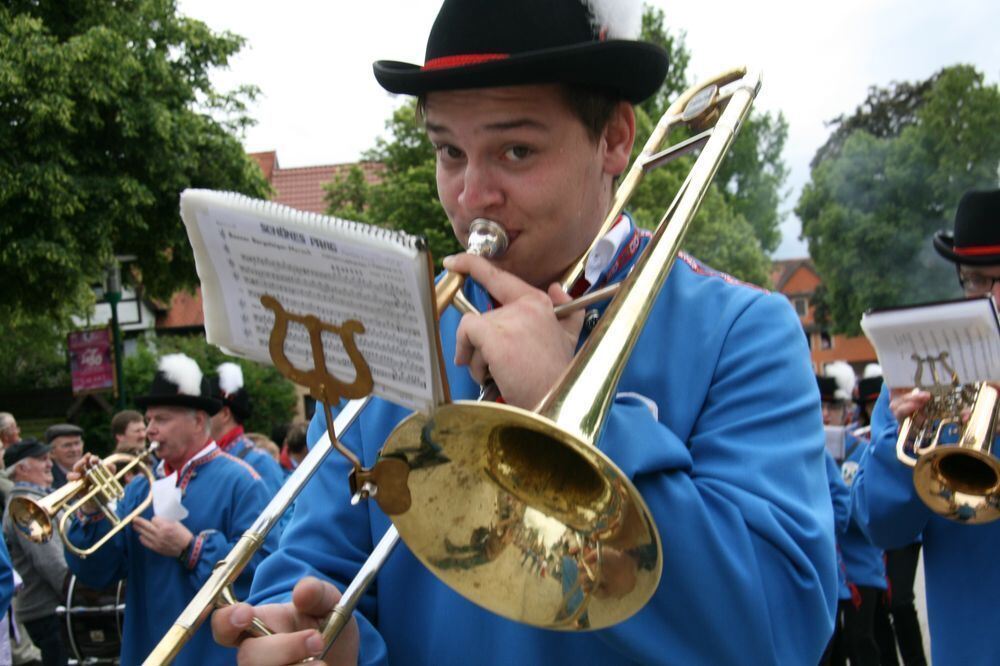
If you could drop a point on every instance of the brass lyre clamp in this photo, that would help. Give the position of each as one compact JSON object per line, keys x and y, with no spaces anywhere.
{"x":385,"y":482}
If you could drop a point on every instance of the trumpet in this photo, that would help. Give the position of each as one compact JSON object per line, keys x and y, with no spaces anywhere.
{"x":99,"y":484}
{"x":507,"y":458}
{"x":955,"y":470}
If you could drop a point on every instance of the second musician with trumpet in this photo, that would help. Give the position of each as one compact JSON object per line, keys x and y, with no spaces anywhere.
{"x":962,"y":577}
{"x":716,"y":418}
{"x":203,"y":500}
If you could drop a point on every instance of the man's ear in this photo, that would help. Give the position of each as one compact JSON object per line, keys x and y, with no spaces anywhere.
{"x":617,"y":139}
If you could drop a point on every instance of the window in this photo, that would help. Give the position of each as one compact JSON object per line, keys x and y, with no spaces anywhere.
{"x":801,"y":306}
{"x":825,"y":340}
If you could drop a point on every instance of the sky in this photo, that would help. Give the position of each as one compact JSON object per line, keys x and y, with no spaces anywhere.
{"x":320,"y":104}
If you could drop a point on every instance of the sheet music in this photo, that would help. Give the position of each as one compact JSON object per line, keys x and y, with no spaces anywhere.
{"x":315,"y":265}
{"x":922,"y":345}
{"x":836,"y":437}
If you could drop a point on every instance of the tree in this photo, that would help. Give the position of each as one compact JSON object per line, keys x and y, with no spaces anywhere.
{"x":737,"y":226}
{"x":878,"y":193}
{"x":106,"y":114}
{"x":405,"y":198}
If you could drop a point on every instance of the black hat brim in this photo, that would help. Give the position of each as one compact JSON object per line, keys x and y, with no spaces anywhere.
{"x":635,"y":70}
{"x":180,"y":400}
{"x":944,"y":243}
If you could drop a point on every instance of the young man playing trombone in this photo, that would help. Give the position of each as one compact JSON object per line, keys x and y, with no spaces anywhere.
{"x":716,"y":418}
{"x":960,"y":568}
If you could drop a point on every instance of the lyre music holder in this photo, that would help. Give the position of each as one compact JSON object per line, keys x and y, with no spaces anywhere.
{"x":385,"y":482}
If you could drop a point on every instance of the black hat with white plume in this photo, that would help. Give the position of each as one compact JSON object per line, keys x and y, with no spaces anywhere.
{"x":179,"y":382}
{"x":228,"y":389}
{"x":492,"y":43}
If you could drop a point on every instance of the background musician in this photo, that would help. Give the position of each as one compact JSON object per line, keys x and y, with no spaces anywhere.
{"x":203,"y":501}
{"x":959,"y":560}
{"x":529,"y":106}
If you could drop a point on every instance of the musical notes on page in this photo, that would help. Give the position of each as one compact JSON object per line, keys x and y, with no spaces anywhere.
{"x":314,"y":265}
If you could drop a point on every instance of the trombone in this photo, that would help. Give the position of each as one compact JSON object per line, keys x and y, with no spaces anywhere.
{"x":98,"y":483}
{"x":602,"y":516}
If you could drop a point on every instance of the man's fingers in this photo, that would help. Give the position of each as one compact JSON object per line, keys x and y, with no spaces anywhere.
{"x":280,"y":649}
{"x":312,"y":596}
{"x":231,"y":624}
{"x":501,"y":285}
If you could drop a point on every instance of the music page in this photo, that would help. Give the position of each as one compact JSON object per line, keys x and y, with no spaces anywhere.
{"x":923,"y":345}
{"x":315,"y":265}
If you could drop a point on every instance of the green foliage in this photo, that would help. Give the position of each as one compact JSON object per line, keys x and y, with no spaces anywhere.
{"x":875,"y":199}
{"x":406,"y":197}
{"x":739,"y":220}
{"x":106,"y":114}
{"x":33,"y":353}
{"x":273,"y":397}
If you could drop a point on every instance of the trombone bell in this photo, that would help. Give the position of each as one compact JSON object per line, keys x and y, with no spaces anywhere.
{"x":525,"y":518}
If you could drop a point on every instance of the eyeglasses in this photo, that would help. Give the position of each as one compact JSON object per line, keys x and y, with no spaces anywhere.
{"x":977,"y":283}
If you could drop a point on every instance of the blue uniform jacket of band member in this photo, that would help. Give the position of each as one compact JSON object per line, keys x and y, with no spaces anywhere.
{"x":223,"y":496}
{"x":841,"y":498}
{"x":864,"y":561}
{"x":732,"y":469}
{"x":960,"y":568}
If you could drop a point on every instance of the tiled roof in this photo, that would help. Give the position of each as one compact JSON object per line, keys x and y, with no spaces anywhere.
{"x":184,"y":311}
{"x":783,"y":269}
{"x":302,"y":188}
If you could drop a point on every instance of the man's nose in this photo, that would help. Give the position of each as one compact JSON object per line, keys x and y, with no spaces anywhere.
{"x":480,"y":189}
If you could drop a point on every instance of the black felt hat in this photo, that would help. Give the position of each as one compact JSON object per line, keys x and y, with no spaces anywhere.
{"x":228,"y":389}
{"x":827,"y":388}
{"x":179,"y":382}
{"x":869,"y":389}
{"x":976,"y":240}
{"x":491,"y":43}
{"x":26,"y":448}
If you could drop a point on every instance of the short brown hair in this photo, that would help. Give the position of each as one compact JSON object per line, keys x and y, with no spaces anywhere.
{"x":295,"y":440}
{"x":122,"y":420}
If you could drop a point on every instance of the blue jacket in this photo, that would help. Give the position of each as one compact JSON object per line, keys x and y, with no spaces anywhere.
{"x":961,"y":575}
{"x":841,"y":498}
{"x":865,"y":562}
{"x":6,"y":579}
{"x":223,"y":496}
{"x":731,"y":467}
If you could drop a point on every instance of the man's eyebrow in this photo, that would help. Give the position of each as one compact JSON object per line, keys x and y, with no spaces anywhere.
{"x":517,"y":123}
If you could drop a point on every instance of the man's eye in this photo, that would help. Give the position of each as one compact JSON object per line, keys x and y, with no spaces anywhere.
{"x":517,"y":153}
{"x":448,"y":151}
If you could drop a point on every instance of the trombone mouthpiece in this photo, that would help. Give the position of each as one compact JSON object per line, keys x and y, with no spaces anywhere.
{"x":487,"y":238}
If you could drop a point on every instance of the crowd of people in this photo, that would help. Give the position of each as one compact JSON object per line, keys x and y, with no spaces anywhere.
{"x":249,"y":470}
{"x":776,"y":549}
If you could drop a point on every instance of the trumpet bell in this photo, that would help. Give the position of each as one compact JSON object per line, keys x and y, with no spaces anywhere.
{"x":525,"y":519}
{"x":961,"y":481}
{"x":31,"y":518}
{"x":959,"y":484}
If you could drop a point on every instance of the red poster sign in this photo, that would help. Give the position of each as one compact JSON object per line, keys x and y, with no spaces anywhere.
{"x":91,"y":360}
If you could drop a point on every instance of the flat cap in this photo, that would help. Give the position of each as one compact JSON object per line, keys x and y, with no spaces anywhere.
{"x":61,"y":430}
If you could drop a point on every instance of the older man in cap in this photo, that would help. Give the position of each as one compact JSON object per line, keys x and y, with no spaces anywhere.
{"x":715,"y":419}
{"x":66,"y":441}
{"x":203,"y":501}
{"x":961,"y":573}
{"x":41,"y":565}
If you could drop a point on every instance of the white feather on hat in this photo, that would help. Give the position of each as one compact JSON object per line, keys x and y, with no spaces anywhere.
{"x":230,"y":378}
{"x":616,"y":19}
{"x":183,"y":371}
{"x":843,"y":374}
{"x":872,"y":370}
